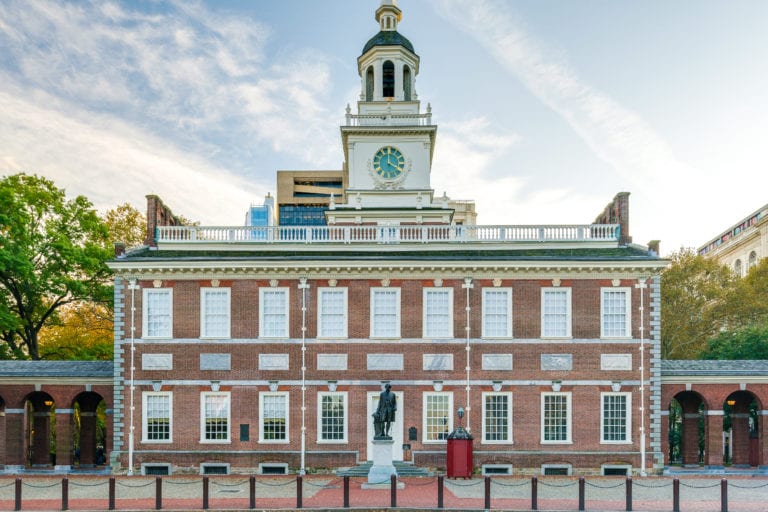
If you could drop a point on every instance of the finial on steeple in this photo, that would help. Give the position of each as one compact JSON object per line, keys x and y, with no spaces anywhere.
{"x":388,"y":14}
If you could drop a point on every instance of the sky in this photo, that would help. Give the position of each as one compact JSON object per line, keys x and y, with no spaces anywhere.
{"x":545,"y":108}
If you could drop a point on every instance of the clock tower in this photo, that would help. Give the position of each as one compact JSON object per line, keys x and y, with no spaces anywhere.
{"x":389,"y":143}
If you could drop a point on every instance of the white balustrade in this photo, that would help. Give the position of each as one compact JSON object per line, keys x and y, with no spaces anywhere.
{"x":403,"y":234}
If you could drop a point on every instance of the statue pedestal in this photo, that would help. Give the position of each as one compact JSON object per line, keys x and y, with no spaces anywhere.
{"x":382,"y":468}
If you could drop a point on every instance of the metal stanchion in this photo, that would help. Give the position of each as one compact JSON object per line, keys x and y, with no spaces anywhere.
{"x":299,"y":490}
{"x":17,"y":494}
{"x":440,"y":491}
{"x":581,"y":493}
{"x":205,"y":493}
{"x":346,"y":491}
{"x":252,"y":492}
{"x":111,"y":493}
{"x":723,"y":495}
{"x":393,"y":490}
{"x":158,"y":492}
{"x":676,"y":495}
{"x":64,"y":494}
{"x":487,"y":493}
{"x":629,"y":494}
{"x":534,"y":493}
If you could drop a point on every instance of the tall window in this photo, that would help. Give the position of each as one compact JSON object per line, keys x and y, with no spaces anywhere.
{"x":388,"y":79}
{"x":438,"y":312}
{"x":616,"y":313}
{"x":438,"y":416}
{"x":157,"y":413}
{"x":556,"y":418}
{"x":369,"y":84}
{"x":385,"y":312}
{"x":497,"y":417}
{"x":332,"y":418}
{"x":157,"y":312}
{"x":497,"y":312}
{"x":752,"y":259}
{"x":214,"y":312}
{"x":273,"y":411}
{"x":214,"y":417}
{"x":737,"y":268}
{"x":406,"y":83}
{"x":332,"y":313}
{"x":555,"y":312}
{"x":615,"y":417}
{"x":273,"y":308}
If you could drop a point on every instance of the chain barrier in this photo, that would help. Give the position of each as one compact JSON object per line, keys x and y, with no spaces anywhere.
{"x":181,"y":482}
{"x":33,"y":486}
{"x":637,"y":483}
{"x":457,"y":484}
{"x":75,"y":483}
{"x":548,"y":484}
{"x":228,"y":484}
{"x":731,"y":484}
{"x":683,"y":484}
{"x":326,"y":485}
{"x":597,"y":486}
{"x":119,"y":482}
{"x":423,"y":482}
{"x":9,"y":485}
{"x":289,"y":482}
{"x":502,"y":484}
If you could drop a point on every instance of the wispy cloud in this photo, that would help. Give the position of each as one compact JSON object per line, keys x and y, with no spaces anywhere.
{"x":177,"y":76}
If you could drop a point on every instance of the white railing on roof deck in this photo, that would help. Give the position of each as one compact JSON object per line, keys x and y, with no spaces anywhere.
{"x":389,"y":119}
{"x":386,"y":234}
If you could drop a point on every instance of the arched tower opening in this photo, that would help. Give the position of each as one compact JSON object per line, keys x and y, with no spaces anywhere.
{"x":406,"y":83}
{"x":388,"y":79}
{"x":369,"y":84}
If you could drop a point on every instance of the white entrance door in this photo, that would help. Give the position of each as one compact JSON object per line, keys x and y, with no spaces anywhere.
{"x":396,"y":430}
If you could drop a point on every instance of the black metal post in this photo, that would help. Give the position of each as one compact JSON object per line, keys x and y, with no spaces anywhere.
{"x":299,"y":490}
{"x":581,"y":493}
{"x":158,"y":492}
{"x":252,"y":492}
{"x":64,"y":494}
{"x":487,"y":493}
{"x":629,"y":494}
{"x":111,"y":493}
{"x":676,"y":495}
{"x":393,"y":490}
{"x":346,"y":491}
{"x":17,"y":494}
{"x":205,"y":493}
{"x":439,"y":491}
{"x":723,"y":495}
{"x":534,"y":493}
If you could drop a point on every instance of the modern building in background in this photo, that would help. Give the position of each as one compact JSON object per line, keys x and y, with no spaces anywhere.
{"x":742,"y":245}
{"x":261,"y":215}
{"x":303,"y":197}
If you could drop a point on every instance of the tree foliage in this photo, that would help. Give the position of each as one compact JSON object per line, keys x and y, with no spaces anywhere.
{"x":79,"y":331}
{"x":52,"y":253}
{"x":749,"y":342}
{"x":126,"y":224}
{"x":696,"y":296}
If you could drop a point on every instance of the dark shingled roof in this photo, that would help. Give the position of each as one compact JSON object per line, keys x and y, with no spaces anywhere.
{"x":388,"y":38}
{"x":56,"y":369}
{"x":686,"y":367}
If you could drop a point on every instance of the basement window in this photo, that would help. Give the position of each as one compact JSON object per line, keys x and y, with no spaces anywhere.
{"x":556,"y":469}
{"x":214,"y":469}
{"x":616,"y":470}
{"x":156,"y":469}
{"x":497,"y":469}
{"x":274,"y":468}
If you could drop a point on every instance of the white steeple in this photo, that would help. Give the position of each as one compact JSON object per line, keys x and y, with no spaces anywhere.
{"x":388,"y":15}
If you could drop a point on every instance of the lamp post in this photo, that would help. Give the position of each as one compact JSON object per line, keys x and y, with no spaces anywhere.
{"x":468,"y":286}
{"x":641,"y":285}
{"x":303,"y":286}
{"x":133,"y":286}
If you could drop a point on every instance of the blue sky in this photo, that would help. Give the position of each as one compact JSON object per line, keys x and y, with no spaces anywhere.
{"x":545,"y":108}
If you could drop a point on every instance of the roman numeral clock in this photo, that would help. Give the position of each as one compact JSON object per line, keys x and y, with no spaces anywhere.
{"x":389,"y":167}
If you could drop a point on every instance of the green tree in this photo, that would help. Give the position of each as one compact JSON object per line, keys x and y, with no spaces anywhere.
{"x":749,"y":305}
{"x":79,"y":331}
{"x":126,"y":224}
{"x":695,"y":294}
{"x":52,"y":253}
{"x":750,"y":342}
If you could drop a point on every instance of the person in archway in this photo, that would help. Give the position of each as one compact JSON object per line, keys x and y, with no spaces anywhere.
{"x":386,"y":409}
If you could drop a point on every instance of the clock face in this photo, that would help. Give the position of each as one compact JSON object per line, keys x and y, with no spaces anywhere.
{"x":388,"y":162}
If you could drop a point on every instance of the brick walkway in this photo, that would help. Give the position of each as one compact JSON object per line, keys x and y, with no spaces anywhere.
{"x":326,"y":492}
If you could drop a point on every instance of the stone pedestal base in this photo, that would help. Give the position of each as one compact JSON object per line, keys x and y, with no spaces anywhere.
{"x":382,"y":468}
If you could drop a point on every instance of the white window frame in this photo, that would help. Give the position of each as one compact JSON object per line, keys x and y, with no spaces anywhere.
{"x":568,"y":413}
{"x":345,"y":403}
{"x":449,"y":416}
{"x":145,"y":313}
{"x":144,"y":426}
{"x":627,"y":418}
{"x":203,"y":305}
{"x":627,"y":313}
{"x":286,"y":397}
{"x":203,"y":396}
{"x":396,"y":333}
{"x":262,"y":303}
{"x":320,"y":323}
{"x":509,"y":439}
{"x":568,"y":312}
{"x":508,"y":333}
{"x":449,"y":314}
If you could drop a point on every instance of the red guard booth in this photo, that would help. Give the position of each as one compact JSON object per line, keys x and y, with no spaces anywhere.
{"x":459,"y":459}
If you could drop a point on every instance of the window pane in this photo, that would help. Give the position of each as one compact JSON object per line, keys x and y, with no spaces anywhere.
{"x":275,"y":322}
{"x":555,"y":418}
{"x":332,"y":419}
{"x":496,"y":308}
{"x":437,"y":318}
{"x":614,"y":417}
{"x":274,"y":417}
{"x":332,"y":314}
{"x":216,"y":308}
{"x":437,"y":415}
{"x":158,"y":313}
{"x":158,"y":417}
{"x":615,"y":313}
{"x":555,"y":313}
{"x":216,"y":417}
{"x":385,"y":313}
{"x":496,"y":418}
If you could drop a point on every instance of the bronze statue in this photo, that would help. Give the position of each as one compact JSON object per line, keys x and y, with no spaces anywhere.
{"x":385,"y":413}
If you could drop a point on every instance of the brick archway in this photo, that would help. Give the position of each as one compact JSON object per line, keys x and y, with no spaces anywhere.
{"x":743,"y":409}
{"x":90,"y":440}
